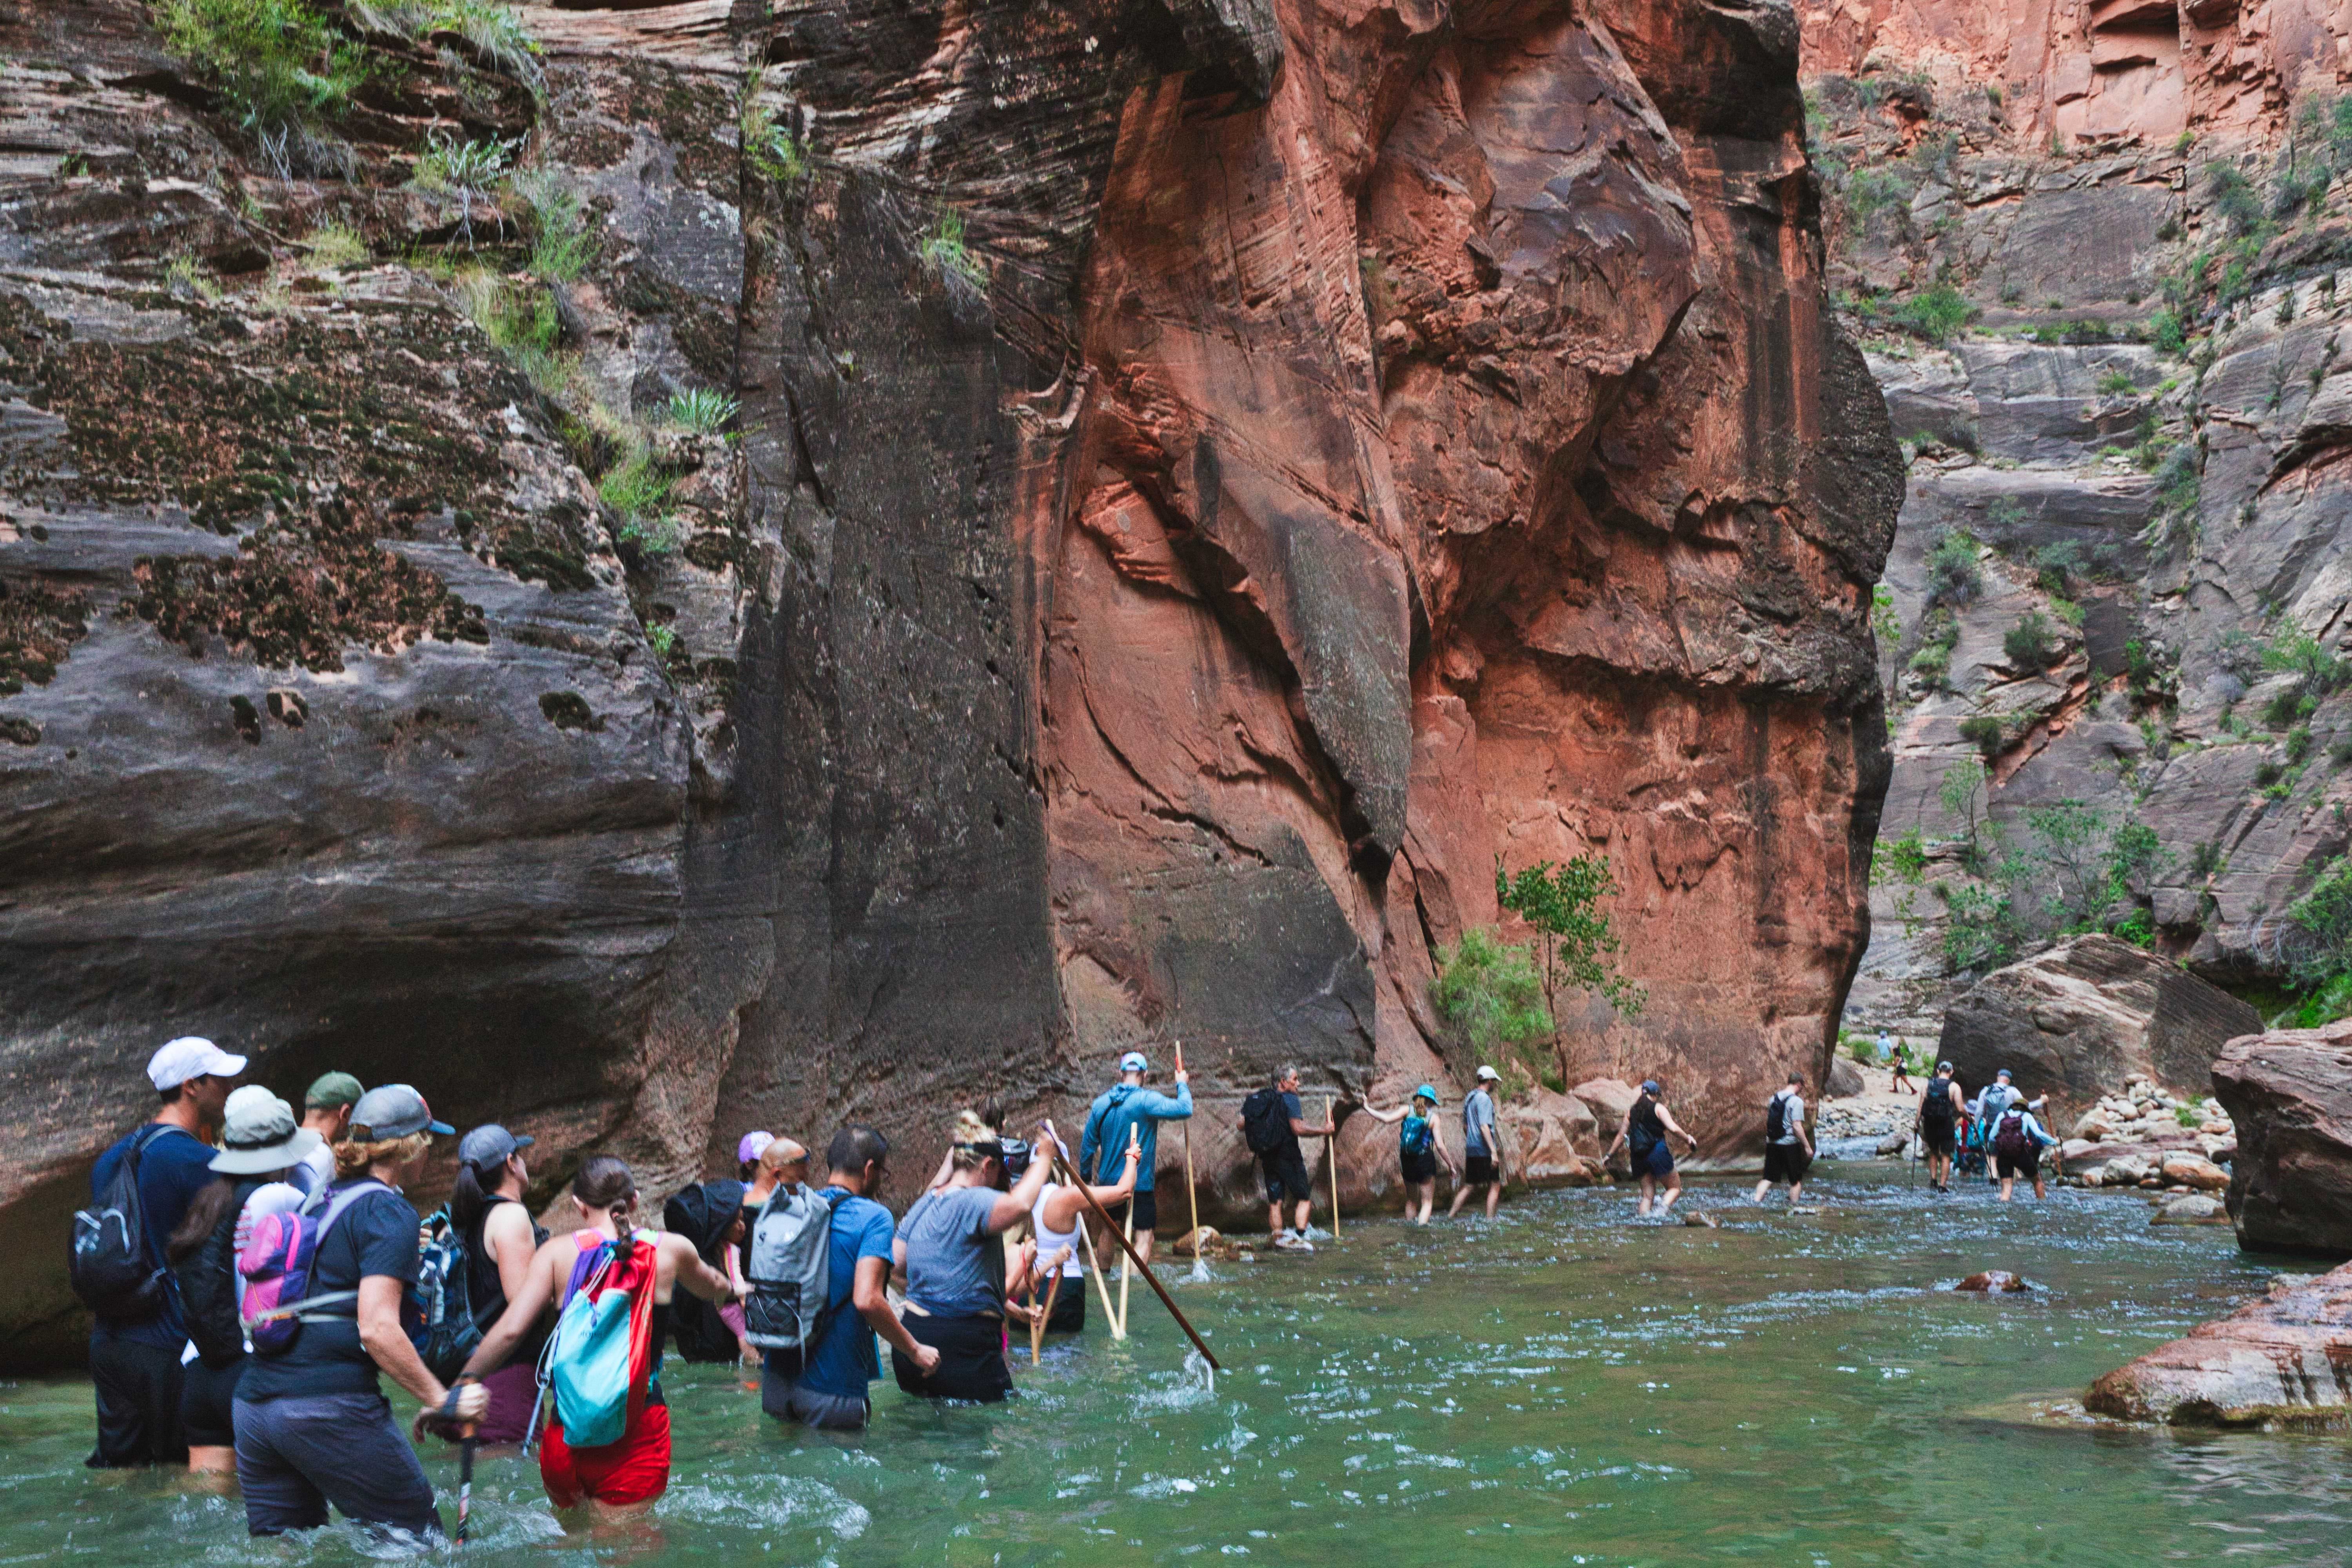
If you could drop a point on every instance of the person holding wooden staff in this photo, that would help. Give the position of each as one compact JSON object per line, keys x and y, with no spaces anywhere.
{"x":1058,"y":1218}
{"x":1273,"y":1122}
{"x":1127,"y":1105}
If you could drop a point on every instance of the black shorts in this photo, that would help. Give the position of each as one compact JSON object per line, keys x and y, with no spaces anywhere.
{"x":1146,"y":1213}
{"x":1940,"y":1140}
{"x":971,"y":1359}
{"x":2028,"y":1165}
{"x":1418,"y":1168}
{"x":1786,"y":1162}
{"x":208,"y":1400}
{"x":1477,"y":1170}
{"x":1286,"y":1176}
{"x":1069,"y":1315}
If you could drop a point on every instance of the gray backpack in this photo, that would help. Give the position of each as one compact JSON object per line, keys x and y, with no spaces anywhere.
{"x":790,"y":1270}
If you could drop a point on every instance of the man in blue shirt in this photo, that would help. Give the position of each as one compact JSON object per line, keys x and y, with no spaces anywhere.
{"x":1124,"y":1105}
{"x":828,"y":1388}
{"x":134,"y":1364}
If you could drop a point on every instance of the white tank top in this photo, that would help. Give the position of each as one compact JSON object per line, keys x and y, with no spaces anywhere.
{"x":1050,"y":1241}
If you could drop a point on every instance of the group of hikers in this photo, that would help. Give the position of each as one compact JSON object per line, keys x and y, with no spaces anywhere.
{"x":1999,"y":1133}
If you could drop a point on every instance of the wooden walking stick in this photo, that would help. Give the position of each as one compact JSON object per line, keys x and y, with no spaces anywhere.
{"x":1151,"y":1279}
{"x":1053,"y":1292}
{"x":1330,"y":1104}
{"x":1192,"y":1194}
{"x":1127,"y":1271}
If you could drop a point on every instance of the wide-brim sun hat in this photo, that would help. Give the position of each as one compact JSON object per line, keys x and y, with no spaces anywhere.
{"x":1425,"y":1092}
{"x":259,"y":1134}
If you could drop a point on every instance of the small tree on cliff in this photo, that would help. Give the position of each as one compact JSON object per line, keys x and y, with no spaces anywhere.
{"x":1491,"y":992}
{"x":1580,"y":946}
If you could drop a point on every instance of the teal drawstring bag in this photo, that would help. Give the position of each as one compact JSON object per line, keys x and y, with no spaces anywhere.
{"x":600,"y":1337}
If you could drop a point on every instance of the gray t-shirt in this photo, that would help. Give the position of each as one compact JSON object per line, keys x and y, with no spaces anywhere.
{"x":950,"y":1253}
{"x":1792,"y":1121}
{"x":1478,"y":1123}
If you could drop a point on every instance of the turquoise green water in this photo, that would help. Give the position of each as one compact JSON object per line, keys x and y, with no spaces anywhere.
{"x":1567,"y":1387}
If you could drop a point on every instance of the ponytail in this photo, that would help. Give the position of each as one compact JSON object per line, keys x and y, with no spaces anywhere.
{"x":468,"y":1202}
{"x":606,"y":1184}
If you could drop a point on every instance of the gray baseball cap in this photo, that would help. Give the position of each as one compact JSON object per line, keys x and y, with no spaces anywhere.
{"x":259,"y":1134}
{"x":394,"y":1110}
{"x":488,"y":1147}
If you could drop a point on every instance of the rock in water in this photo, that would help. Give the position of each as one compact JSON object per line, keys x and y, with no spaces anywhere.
{"x":2196,"y":1208}
{"x":2290,"y":1095}
{"x":2275,"y":1362}
{"x":1703,"y":1221}
{"x":1994,"y":1281}
{"x":2078,"y":1021}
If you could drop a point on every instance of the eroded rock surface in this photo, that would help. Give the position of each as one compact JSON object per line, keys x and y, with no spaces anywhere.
{"x":2277,"y":1361}
{"x":2290,"y":1093}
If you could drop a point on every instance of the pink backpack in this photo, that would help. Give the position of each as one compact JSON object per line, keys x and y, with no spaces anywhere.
{"x":276,"y":1263}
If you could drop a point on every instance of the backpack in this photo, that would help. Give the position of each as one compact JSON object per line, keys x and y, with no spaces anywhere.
{"x":790,"y":1270}
{"x":1266,"y":1121}
{"x":1776,"y":1118}
{"x":1411,"y":1139}
{"x":598,"y":1359}
{"x":2008,"y":1135}
{"x":277,"y":1263}
{"x":703,"y":1214}
{"x":1642,"y":1132}
{"x":109,"y":1266}
{"x":448,"y":1330}
{"x":207,"y":1282}
{"x":1936,"y":1109}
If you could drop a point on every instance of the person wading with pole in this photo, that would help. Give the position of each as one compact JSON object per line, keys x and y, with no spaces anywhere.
{"x":1060,"y":1216}
{"x":1274,"y":1121}
{"x":1129,"y":1103}
{"x":947,"y":1250}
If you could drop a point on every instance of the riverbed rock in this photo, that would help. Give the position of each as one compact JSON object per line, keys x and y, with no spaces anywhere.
{"x":2191,"y":1171}
{"x":2289,"y":1092}
{"x":1994,"y":1281}
{"x":2079,"y":1021}
{"x":2195,"y":1209}
{"x":2276,"y":1362}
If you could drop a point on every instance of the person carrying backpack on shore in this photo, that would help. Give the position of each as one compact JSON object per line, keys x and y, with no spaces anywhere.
{"x":1130,"y":1103}
{"x":1273,"y":1122}
{"x":1648,"y":1123}
{"x":606,"y":1443}
{"x":1788,"y":1147}
{"x":327,"y":1307}
{"x":1482,"y":1145}
{"x":2018,"y":1140}
{"x":1420,"y":1148}
{"x":1938,"y":1125}
{"x":140,"y":1189}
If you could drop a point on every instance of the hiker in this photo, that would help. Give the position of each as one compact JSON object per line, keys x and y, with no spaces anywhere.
{"x":826,"y":1387}
{"x":1938,"y":1124}
{"x":1997,"y":1098}
{"x":1125,"y":1104}
{"x":1273,"y":1122}
{"x":259,"y":1143}
{"x":1419,"y":1147}
{"x":326,"y":1110}
{"x":1060,"y":1214}
{"x":1646,"y":1127}
{"x":312,"y":1424}
{"x":748,"y":1150}
{"x":487,"y":1214}
{"x":1482,"y":1146}
{"x":714,"y":1217}
{"x":1788,"y":1147}
{"x":2018,"y":1140}
{"x":607,"y":1256}
{"x":138,"y":1334}
{"x":947,"y":1250}
{"x":1901,"y":1083}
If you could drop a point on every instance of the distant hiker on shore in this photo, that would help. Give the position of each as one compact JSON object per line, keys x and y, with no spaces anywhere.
{"x":1482,"y":1146}
{"x":1938,"y":1125}
{"x":1125,"y":1104}
{"x":1901,"y":1083}
{"x":826,"y":1387}
{"x":948,"y":1251}
{"x":2018,"y":1140}
{"x":139,"y":1190}
{"x":312,"y":1425}
{"x":1420,"y":1148}
{"x":261,"y":1146}
{"x":1648,"y":1124}
{"x":326,"y":1110}
{"x":488,"y":1215}
{"x":607,"y":1441}
{"x":1788,"y":1147}
{"x":1060,"y":1214}
{"x":1273,"y":1122}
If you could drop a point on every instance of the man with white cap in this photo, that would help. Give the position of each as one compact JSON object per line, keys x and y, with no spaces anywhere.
{"x":1128,"y":1103}
{"x":1482,"y":1145}
{"x":134,"y":1363}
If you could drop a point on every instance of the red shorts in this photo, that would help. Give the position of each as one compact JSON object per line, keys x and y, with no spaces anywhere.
{"x":635,"y":1469}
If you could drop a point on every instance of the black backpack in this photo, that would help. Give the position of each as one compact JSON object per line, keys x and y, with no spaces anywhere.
{"x":1644,"y":1130}
{"x":1265,"y":1123}
{"x":1776,"y":1118}
{"x":207,"y":1281}
{"x":1937,"y":1111}
{"x":110,"y":1267}
{"x":702,"y":1214}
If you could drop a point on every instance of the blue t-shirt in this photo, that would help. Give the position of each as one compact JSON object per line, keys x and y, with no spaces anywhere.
{"x":845,"y":1360}
{"x":376,"y":1234}
{"x":949,"y":1251}
{"x":1102,"y":1145}
{"x":173,"y":1169}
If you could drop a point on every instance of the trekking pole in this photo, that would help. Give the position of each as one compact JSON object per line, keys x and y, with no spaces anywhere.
{"x":1127,"y":1271}
{"x":1153,"y":1280}
{"x":1192,"y":1194}
{"x":1331,"y":1144}
{"x":1052,"y":1293}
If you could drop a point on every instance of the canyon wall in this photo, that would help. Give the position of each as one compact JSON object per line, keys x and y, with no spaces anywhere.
{"x":1204,"y":482}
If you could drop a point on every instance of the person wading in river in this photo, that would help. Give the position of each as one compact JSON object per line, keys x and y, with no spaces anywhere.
{"x":1129,"y":1103}
{"x":608,"y":1253}
{"x":1788,"y":1147}
{"x":1482,"y":1146}
{"x":947,"y":1250}
{"x":1647,"y":1125}
{"x":1420,"y":1148}
{"x":1938,"y":1125}
{"x":1273,"y":1122}
{"x":1061,"y":1211}
{"x":2018,"y":1140}
{"x":485,"y":1209}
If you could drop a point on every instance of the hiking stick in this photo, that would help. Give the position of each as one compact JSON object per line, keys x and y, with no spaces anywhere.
{"x":1151,"y":1279}
{"x":1330,"y":1104}
{"x":466,"y":1444}
{"x":1192,"y":1194}
{"x":1127,"y":1272}
{"x":1053,"y":1292}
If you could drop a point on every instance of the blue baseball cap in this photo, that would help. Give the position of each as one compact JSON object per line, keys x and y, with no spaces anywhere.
{"x":1133,"y":1062}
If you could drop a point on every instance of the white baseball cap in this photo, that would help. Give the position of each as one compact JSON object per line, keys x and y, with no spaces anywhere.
{"x":1486,"y":1073}
{"x":190,"y":1055}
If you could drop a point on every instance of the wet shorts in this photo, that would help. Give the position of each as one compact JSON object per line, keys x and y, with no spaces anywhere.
{"x":1659,"y":1161}
{"x":1419,"y":1168}
{"x":635,"y":1469}
{"x":1940,"y":1140}
{"x":1785,"y":1161}
{"x":1286,"y":1176}
{"x":207,"y":1395}
{"x":1146,"y":1213}
{"x":1477,"y":1170}
{"x":2028,"y":1165}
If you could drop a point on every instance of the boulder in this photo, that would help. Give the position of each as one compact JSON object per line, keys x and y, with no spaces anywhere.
{"x":2194,"y":1170}
{"x":2275,"y":1362}
{"x":2289,"y":1094}
{"x":1845,"y":1078}
{"x":1610,"y":1099}
{"x":2195,"y":1209}
{"x":1555,"y":1139}
{"x":2080,"y":1020}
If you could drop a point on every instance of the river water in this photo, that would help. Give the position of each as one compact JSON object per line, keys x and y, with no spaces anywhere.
{"x":1566,"y":1387}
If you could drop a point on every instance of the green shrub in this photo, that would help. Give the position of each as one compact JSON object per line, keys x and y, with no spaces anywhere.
{"x":1868,"y":190}
{"x":1953,"y":575}
{"x":275,"y":63}
{"x":1491,"y":991}
{"x":701,"y":410}
{"x":1579,"y":942}
{"x":561,"y":244}
{"x":2298,"y":743}
{"x":2115,"y":383}
{"x":1936,"y":313}
{"x":1985,"y":732}
{"x":944,"y":251}
{"x":336,"y":246}
{"x":2233,"y":198}
{"x":1933,"y":661}
{"x":638,"y":490}
{"x":2029,"y":644}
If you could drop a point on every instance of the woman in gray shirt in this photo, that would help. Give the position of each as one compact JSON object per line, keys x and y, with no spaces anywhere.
{"x":953,"y":1263}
